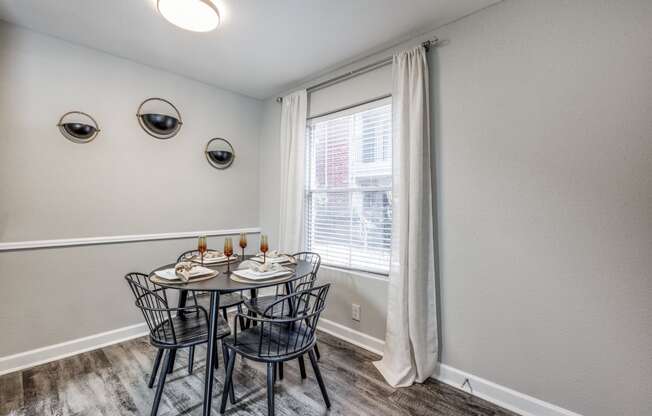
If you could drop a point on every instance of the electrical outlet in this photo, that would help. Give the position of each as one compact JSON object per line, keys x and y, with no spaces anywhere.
{"x":355,"y":312}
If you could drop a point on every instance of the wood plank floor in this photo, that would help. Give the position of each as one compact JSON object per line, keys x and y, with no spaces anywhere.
{"x":113,"y":381}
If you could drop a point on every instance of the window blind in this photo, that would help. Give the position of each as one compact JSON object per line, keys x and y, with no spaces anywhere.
{"x":348,"y":218}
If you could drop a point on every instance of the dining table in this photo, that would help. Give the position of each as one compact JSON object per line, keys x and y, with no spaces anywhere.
{"x":221,"y":284}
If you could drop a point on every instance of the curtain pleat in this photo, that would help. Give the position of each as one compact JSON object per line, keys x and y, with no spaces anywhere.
{"x":293,"y":142}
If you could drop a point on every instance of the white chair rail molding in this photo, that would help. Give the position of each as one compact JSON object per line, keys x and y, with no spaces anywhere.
{"x":326,"y":207}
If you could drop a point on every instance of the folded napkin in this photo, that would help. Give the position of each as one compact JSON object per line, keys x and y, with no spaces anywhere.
{"x":183,"y":270}
{"x":275,"y":256}
{"x":213,"y":256}
{"x":272,"y":254}
{"x":210,"y":255}
{"x":266,"y":267}
{"x":256,"y":271}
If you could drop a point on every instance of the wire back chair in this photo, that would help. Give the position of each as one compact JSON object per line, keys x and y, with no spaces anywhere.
{"x":278,"y":339}
{"x":153,"y":303}
{"x":169,"y":328}
{"x":139,"y":284}
{"x":260,"y":305}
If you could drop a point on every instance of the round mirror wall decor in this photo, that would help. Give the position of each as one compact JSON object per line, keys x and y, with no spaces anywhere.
{"x":159,"y":118}
{"x":78,"y":127}
{"x":219,"y":153}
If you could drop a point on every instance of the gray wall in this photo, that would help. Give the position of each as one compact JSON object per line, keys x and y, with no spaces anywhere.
{"x":543,"y":129}
{"x":124,"y":182}
{"x":542,"y":121}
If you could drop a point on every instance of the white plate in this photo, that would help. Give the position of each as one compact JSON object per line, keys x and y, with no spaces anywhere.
{"x":170,"y":274}
{"x":250,"y":275}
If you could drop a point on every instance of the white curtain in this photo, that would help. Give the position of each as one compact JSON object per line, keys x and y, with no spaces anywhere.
{"x":293,"y":139}
{"x":410,"y":352}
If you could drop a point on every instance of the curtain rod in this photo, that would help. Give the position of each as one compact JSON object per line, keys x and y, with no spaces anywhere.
{"x":363,"y":70}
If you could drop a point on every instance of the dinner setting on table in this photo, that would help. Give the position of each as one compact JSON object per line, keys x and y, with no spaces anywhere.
{"x":273,"y":328}
{"x":260,"y":267}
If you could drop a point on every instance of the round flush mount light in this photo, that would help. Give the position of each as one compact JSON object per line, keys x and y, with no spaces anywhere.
{"x":193,"y":15}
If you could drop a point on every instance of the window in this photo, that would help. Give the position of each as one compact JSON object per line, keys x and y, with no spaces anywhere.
{"x":349,"y":188}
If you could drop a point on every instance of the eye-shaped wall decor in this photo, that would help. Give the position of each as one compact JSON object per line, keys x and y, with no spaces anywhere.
{"x":159,"y":118}
{"x":78,"y":127}
{"x":219,"y":153}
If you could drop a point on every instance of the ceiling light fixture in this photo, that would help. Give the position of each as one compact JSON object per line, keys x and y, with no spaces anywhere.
{"x":194,"y":15}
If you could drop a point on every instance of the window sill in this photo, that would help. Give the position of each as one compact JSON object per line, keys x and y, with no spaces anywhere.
{"x":359,"y":273}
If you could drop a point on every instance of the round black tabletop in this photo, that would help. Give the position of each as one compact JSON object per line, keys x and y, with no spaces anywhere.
{"x":223,"y":283}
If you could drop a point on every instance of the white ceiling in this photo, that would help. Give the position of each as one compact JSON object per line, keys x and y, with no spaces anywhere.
{"x":261,"y":48}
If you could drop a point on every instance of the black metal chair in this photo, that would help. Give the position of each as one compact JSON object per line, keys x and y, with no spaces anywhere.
{"x":171,"y":328}
{"x":258,"y":305}
{"x":142,"y":280}
{"x":275,"y":340}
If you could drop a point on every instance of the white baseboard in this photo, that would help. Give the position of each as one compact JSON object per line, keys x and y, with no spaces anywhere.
{"x":27,"y":359}
{"x":351,"y":336}
{"x":513,"y":400}
{"x":495,"y":393}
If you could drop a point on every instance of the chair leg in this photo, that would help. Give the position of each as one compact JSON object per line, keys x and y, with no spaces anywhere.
{"x":216,"y":359}
{"x":270,"y":388}
{"x":225,"y":354}
{"x":280,"y":370}
{"x":161,"y":383}
{"x":228,"y":380}
{"x":191,"y":359}
{"x":320,"y":380}
{"x":302,"y":367}
{"x":317,"y":352}
{"x":248,"y":321}
{"x":170,"y":365}
{"x":225,"y":315}
{"x":157,"y":362}
{"x":240,"y":319}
